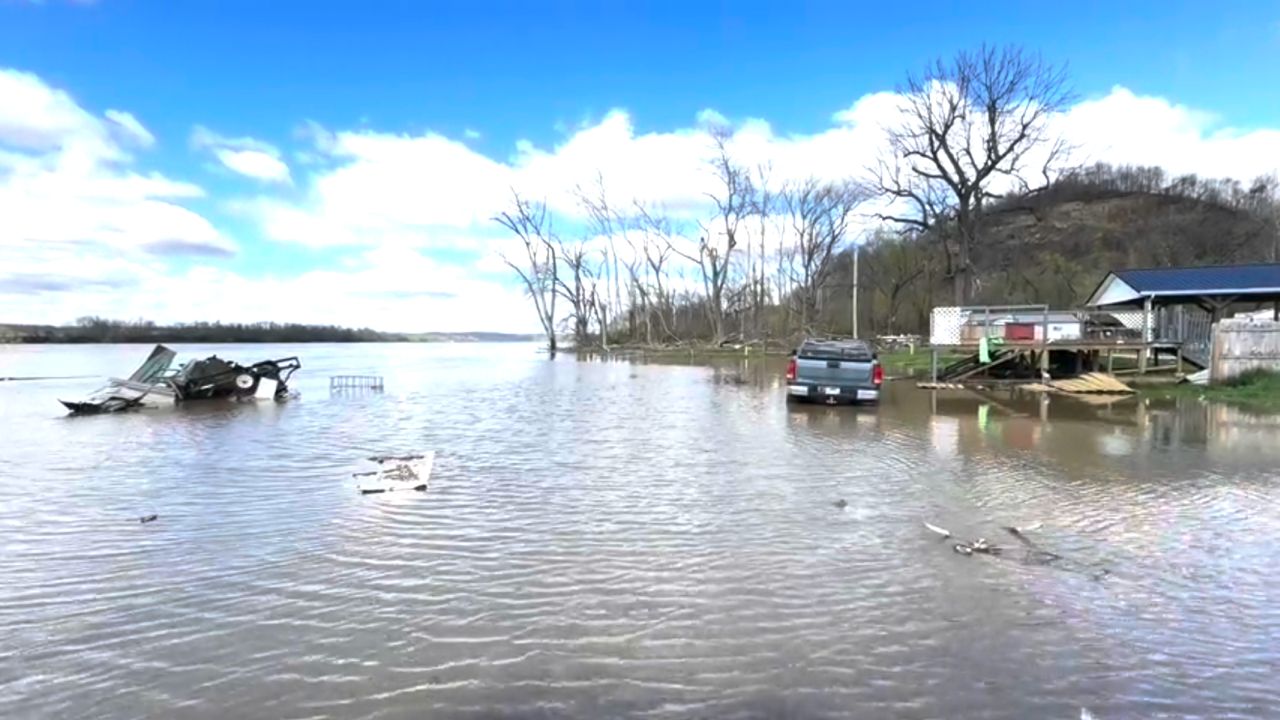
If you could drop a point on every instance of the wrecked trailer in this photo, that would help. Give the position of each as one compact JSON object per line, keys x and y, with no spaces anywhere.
{"x":210,"y":378}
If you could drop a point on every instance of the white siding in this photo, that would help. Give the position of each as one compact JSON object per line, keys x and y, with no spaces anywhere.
{"x":1114,"y":290}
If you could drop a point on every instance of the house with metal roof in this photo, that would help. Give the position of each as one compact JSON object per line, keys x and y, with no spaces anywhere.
{"x":1213,"y":288}
{"x":1181,"y":304}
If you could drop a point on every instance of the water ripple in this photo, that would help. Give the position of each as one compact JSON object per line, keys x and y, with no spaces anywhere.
{"x":616,"y":539}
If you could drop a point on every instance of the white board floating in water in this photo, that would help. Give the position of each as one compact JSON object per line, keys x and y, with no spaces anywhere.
{"x":396,"y":473}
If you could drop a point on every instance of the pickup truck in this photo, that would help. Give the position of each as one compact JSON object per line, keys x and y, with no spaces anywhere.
{"x":834,"y":371}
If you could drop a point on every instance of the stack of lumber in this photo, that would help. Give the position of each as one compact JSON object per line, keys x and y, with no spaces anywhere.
{"x":1089,"y":383}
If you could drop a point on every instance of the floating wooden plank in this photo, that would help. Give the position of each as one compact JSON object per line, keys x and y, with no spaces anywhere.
{"x":1091,"y":383}
{"x":1099,"y":399}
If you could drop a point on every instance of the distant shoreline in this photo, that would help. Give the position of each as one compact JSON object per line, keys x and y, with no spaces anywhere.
{"x":97,"y":332}
{"x":183,"y":341}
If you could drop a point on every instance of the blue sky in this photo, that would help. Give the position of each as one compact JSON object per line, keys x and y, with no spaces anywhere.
{"x":486,"y":76}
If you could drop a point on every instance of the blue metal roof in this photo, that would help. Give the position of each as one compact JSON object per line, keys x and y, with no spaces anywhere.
{"x":1211,"y":280}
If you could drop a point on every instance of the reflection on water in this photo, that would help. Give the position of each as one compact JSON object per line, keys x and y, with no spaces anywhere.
{"x":610,"y":538}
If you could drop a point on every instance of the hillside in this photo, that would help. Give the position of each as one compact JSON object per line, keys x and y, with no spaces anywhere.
{"x":1057,"y":251}
{"x":1054,"y":246}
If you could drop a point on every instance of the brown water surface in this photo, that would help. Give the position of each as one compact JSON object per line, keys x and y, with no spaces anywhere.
{"x":607,"y":539}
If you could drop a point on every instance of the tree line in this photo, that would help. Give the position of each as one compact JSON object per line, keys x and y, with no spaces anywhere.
{"x":102,"y":330}
{"x":963,"y":207}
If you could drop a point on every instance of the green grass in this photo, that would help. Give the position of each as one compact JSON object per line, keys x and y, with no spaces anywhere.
{"x":1256,"y":388}
{"x":903,"y":361}
{"x":694,"y":351}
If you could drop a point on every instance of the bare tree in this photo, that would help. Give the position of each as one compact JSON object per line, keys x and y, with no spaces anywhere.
{"x":973,"y":126}
{"x":608,"y":223}
{"x":894,"y":265}
{"x":734,"y":201}
{"x":818,"y":215}
{"x":578,"y":289}
{"x":656,"y":245}
{"x":540,"y":268}
{"x":765,"y":206}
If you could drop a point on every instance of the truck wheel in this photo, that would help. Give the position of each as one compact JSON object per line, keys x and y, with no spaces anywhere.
{"x":245,"y":384}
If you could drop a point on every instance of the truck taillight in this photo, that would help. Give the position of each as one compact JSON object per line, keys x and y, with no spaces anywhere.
{"x":791,"y":369}
{"x":877,"y":374}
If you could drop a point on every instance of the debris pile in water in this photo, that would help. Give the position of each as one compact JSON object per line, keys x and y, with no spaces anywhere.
{"x":205,"y":379}
{"x":392,"y":473}
{"x":1033,"y":555}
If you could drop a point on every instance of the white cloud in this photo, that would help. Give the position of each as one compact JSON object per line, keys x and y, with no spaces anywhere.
{"x":255,"y":164}
{"x":72,"y":206}
{"x":245,"y":156}
{"x":1123,"y":127}
{"x":472,"y":134}
{"x":36,"y":117}
{"x":708,"y":117}
{"x":130,"y":127}
{"x":389,"y":289}
{"x":386,"y":190}
{"x":409,"y":216}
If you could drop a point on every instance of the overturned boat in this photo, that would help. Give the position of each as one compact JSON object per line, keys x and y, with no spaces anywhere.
{"x":154,"y":382}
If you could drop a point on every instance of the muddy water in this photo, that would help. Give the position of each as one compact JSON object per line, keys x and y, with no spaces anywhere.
{"x":607,"y":539}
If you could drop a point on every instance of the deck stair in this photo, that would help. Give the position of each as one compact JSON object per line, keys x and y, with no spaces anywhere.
{"x":969,"y":366}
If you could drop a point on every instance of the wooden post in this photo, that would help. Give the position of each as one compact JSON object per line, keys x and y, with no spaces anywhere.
{"x":1179,"y":369}
{"x":855,"y":289}
{"x":1146,"y":336}
{"x":1146,"y":321}
{"x":933,"y":364}
{"x":1044,"y":361}
{"x":1110,"y":361}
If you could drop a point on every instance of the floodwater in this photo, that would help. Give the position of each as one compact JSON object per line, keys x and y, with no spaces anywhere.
{"x":619,"y":539}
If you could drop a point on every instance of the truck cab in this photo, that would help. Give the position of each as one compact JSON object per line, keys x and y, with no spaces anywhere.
{"x":834,"y":371}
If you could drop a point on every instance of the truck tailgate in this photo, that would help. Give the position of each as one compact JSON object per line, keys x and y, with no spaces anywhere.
{"x":833,"y":372}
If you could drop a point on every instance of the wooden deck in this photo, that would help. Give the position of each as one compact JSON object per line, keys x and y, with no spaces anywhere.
{"x":1031,"y":361}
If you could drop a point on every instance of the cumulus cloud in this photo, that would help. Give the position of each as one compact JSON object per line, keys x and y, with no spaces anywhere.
{"x":244,"y":155}
{"x":71,"y":202}
{"x":381,"y":188}
{"x":389,"y":289}
{"x":407,"y":191}
{"x":1124,"y":127}
{"x":37,"y":118}
{"x":408,"y":217}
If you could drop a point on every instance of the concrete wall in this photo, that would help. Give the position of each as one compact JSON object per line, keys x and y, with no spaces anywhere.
{"x":1243,"y":344}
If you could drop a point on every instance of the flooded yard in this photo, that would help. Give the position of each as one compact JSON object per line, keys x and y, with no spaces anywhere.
{"x":621,"y":538}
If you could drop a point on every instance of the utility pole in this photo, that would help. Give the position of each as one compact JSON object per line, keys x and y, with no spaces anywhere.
{"x":855,"y":290}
